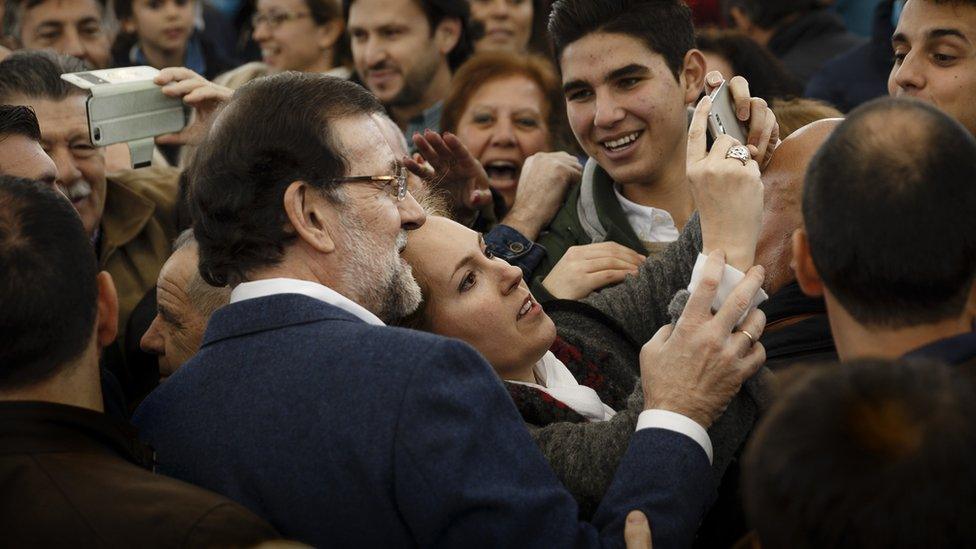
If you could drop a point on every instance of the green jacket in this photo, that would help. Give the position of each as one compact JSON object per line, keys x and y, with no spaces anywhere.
{"x":590,"y":214}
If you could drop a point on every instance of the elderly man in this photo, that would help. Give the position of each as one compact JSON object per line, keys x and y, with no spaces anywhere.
{"x":71,"y":475}
{"x":21,"y":154}
{"x":343,"y":431}
{"x":78,"y":28}
{"x":184,"y":305}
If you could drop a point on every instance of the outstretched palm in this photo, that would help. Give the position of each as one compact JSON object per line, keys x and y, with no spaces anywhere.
{"x":448,"y":166}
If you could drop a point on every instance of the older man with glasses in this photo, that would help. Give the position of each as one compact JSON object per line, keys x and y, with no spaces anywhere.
{"x":303,"y":406}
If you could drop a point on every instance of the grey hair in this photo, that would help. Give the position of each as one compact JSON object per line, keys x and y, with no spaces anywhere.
{"x":13,"y":16}
{"x":206,"y":299}
{"x":37,"y":73}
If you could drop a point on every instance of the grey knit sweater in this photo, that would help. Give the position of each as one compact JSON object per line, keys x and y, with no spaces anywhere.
{"x":585,"y":455}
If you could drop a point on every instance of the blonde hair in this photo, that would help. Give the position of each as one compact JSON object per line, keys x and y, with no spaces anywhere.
{"x":793,"y":114}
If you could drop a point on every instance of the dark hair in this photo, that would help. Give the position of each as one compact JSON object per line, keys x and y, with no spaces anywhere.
{"x":888,"y":207}
{"x":767,"y":77}
{"x":13,"y":15}
{"x":48,"y":292}
{"x":768,"y":13}
{"x":37,"y":73}
{"x":436,"y":11}
{"x":276,"y":130}
{"x":19,"y":120}
{"x":866,"y":454}
{"x":663,"y":25}
{"x":490,"y":66}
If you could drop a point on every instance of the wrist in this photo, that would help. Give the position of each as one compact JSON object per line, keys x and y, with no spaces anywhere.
{"x":736,"y":255}
{"x":524,"y":223}
{"x":700,"y":417}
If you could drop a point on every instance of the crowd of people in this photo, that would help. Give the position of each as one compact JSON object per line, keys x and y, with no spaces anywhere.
{"x":481,"y":272}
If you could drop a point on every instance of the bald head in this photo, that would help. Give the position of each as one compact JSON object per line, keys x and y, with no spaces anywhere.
{"x":888,"y":211}
{"x":783,"y":182}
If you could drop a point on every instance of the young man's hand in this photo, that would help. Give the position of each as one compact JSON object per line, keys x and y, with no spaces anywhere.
{"x":728,"y":193}
{"x":763,"y":128}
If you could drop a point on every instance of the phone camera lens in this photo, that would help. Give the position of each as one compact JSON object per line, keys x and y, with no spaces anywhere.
{"x":97,"y":134}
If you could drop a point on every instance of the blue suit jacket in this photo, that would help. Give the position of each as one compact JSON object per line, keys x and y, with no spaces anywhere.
{"x":343,"y":433}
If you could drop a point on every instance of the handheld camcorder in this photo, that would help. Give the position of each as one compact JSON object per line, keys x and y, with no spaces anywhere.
{"x":125,"y":106}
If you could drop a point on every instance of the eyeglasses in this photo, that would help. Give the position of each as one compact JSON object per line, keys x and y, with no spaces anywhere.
{"x":275,"y":19}
{"x":396,"y":183}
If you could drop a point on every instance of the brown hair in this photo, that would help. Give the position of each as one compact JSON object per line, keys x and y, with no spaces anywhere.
{"x":488,"y":66}
{"x":793,"y":114}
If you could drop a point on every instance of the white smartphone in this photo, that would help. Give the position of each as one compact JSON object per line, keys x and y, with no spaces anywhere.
{"x":90,"y":79}
{"x":722,"y":119}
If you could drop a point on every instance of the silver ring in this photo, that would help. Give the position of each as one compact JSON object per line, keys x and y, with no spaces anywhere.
{"x":752,"y":340}
{"x":740,"y":153}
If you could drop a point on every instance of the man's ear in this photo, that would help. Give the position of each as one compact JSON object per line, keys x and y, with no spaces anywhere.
{"x":107,"y":318}
{"x":693,"y":75}
{"x":447,"y":35}
{"x":311,"y":216}
{"x":802,"y":264}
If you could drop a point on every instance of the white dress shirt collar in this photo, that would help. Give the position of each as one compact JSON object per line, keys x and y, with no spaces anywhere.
{"x":649,"y":224}
{"x":275,"y":286}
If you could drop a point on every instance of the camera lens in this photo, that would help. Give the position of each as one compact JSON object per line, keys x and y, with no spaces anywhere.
{"x":97,"y":134}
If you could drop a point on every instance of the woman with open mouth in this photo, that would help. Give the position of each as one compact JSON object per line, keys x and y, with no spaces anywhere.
{"x":505,"y":108}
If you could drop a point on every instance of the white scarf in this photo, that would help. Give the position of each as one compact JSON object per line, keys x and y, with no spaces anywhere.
{"x":559,"y":383}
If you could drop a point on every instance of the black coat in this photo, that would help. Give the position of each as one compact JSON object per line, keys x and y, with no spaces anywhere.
{"x":73,"y":477}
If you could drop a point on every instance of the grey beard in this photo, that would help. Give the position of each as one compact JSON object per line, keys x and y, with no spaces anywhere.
{"x":384,"y":285}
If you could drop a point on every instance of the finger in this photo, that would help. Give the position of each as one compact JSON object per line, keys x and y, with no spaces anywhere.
{"x":611,"y":249}
{"x":697,"y":142}
{"x":463,"y":156}
{"x":713,"y":80}
{"x":420,"y":170}
{"x":425,"y":149}
{"x":205,"y":94}
{"x":479,"y":198}
{"x":740,"y":299}
{"x":757,"y":120}
{"x":637,"y":532}
{"x":437,"y":142}
{"x":766,"y":137}
{"x":754,"y":324}
{"x":740,"y":96}
{"x":721,"y":146}
{"x":752,"y":362}
{"x":173,"y":74}
{"x":608,"y":264}
{"x":660,"y":338}
{"x":700,"y":303}
{"x":183,"y":87}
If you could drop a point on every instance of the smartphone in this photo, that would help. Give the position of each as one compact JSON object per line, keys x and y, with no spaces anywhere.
{"x":722,"y":119}
{"x":125,"y":106}
{"x":89,"y":79}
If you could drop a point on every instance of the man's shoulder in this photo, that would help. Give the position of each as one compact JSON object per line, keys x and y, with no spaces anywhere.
{"x":158,"y":184}
{"x":125,"y":503}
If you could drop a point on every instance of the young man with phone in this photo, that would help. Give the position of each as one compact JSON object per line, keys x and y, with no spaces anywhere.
{"x":630,"y":70}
